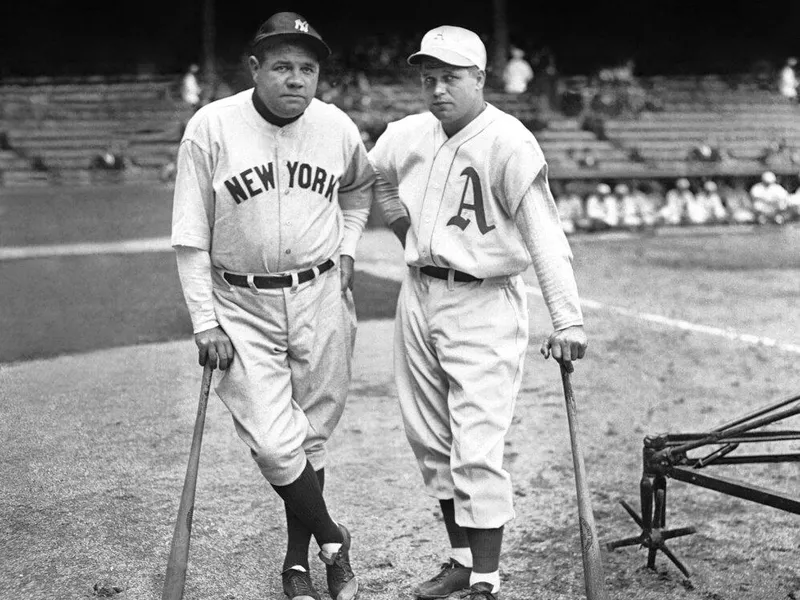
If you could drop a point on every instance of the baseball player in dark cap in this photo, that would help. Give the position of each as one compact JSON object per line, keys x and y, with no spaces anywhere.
{"x":272,"y":193}
{"x":464,"y":186}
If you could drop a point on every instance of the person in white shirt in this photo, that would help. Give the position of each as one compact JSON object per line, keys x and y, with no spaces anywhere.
{"x":518,"y":73}
{"x":770,"y":200}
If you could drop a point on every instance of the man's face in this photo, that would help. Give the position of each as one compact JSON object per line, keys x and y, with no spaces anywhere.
{"x":451,"y":93}
{"x":285,"y":78}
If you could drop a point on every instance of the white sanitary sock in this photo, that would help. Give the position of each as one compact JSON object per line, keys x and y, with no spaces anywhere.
{"x":493,"y":578}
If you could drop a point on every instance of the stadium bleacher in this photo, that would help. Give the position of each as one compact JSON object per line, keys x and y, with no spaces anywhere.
{"x":54,"y":127}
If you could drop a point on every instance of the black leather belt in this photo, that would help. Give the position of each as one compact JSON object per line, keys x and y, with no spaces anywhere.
{"x":266,"y":282}
{"x":442,"y":273}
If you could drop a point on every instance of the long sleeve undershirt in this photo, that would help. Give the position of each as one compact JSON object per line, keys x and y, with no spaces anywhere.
{"x":539,"y":226}
{"x":538,"y":223}
{"x":194,"y":271}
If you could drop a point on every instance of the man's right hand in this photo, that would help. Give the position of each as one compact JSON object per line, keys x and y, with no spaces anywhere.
{"x":214,"y":345}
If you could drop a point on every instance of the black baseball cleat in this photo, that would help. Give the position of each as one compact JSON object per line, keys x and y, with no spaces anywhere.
{"x":297,"y":585}
{"x":342,"y":582}
{"x":453,"y":577}
{"x":479,"y":591}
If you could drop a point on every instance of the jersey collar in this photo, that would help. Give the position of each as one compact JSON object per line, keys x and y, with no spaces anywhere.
{"x":268,"y":115}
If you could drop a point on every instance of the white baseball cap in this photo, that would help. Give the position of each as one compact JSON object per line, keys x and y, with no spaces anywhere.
{"x":452,"y":45}
{"x":768,"y":177}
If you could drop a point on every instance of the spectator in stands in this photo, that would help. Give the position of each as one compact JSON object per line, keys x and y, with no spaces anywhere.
{"x":793,"y":210}
{"x":648,"y":199}
{"x":737,"y":201}
{"x":191,"y":90}
{"x":629,"y":211}
{"x":707,"y":152}
{"x":674,"y":210}
{"x":770,"y":200}
{"x":711,"y":203}
{"x":518,"y":73}
{"x":787,"y":83}
{"x":637,"y":211}
{"x":602,"y":211}
{"x":585,"y":158}
{"x":570,"y":208}
{"x":110,"y":159}
{"x":5,"y":143}
{"x":779,"y":154}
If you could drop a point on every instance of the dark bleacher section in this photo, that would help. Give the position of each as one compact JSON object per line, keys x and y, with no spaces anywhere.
{"x":742,"y":119}
{"x":55,"y":127}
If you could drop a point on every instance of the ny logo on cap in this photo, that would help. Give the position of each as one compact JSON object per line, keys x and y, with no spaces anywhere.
{"x":439,"y":36}
{"x":301,"y":25}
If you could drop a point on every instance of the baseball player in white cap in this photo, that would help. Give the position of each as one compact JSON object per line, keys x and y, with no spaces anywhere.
{"x":465,"y":189}
{"x":272,"y":193}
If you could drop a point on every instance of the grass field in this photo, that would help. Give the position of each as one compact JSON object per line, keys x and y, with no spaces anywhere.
{"x":96,"y":440}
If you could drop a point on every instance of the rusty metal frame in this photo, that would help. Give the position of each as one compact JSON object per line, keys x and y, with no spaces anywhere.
{"x":667,"y":456}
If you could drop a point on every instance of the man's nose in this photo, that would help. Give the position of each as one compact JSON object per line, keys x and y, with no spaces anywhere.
{"x":439,"y":89}
{"x":294,"y":81}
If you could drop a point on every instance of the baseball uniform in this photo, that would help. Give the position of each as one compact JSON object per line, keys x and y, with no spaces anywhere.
{"x":480,"y":213}
{"x":266,"y":202}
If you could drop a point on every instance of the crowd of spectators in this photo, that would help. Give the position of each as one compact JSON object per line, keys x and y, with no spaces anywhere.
{"x":649,"y":204}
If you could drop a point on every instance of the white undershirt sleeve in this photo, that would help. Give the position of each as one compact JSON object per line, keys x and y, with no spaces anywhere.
{"x":194,"y":271}
{"x":538,"y":222}
{"x":355,"y":220}
{"x":387,"y":200}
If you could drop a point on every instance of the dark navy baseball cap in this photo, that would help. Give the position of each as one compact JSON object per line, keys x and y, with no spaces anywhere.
{"x":289,"y":26}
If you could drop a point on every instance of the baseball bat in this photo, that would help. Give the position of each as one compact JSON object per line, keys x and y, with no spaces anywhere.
{"x":590,"y":547}
{"x":179,"y":551}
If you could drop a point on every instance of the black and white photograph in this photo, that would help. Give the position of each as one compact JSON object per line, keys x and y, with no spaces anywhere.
{"x":456,"y":300}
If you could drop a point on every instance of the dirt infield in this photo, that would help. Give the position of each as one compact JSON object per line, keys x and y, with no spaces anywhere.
{"x":96,"y":443}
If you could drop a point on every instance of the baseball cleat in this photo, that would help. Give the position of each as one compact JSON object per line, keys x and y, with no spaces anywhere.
{"x":342,"y":582}
{"x":453,"y":577}
{"x":297,"y":585}
{"x":479,"y":591}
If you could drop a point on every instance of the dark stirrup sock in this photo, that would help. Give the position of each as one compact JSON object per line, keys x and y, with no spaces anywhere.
{"x":485,"y":545}
{"x":298,"y":535}
{"x":456,"y":533}
{"x":304,"y":498}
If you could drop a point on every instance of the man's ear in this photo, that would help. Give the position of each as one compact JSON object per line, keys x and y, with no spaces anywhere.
{"x":254,"y":65}
{"x":480,"y":79}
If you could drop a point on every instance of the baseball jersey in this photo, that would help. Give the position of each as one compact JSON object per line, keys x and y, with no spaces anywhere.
{"x":267,"y":199}
{"x":462,"y":192}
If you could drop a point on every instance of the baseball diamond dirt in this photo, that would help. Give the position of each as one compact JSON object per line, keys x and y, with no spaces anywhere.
{"x":96,"y":435}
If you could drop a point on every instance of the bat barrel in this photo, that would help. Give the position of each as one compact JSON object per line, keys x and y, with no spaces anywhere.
{"x":590,"y":545}
{"x":175,"y":578}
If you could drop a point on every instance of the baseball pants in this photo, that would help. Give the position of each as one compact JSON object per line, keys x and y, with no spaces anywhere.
{"x":459,"y":354}
{"x":287,"y":385}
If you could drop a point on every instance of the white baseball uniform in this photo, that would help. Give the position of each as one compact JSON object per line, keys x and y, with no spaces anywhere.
{"x":479,"y":204}
{"x":265,"y":200}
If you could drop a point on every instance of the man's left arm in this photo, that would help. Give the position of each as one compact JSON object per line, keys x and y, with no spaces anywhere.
{"x":355,"y":197}
{"x":540,"y":227}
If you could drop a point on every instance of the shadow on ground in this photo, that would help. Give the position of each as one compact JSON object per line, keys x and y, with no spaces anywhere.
{"x":64,"y":305}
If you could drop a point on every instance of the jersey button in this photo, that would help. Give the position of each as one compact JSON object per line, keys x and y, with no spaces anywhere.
{"x":287,"y":191}
{"x":288,"y":251}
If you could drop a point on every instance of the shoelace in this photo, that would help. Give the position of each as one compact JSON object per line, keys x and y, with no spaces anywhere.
{"x":342,"y":564}
{"x":300,"y":584}
{"x":446,"y":568}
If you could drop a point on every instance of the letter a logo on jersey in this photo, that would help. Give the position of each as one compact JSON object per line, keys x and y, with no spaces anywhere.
{"x":301,"y":25}
{"x":476,"y":206}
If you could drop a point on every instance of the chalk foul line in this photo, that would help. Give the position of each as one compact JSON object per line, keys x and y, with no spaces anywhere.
{"x":729,"y":334}
{"x":161,"y":244}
